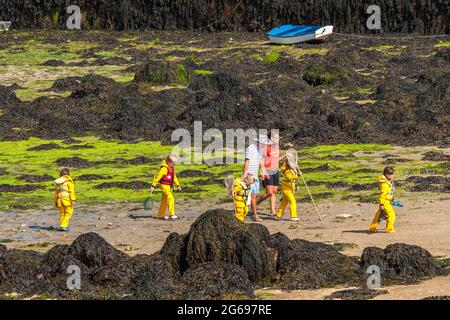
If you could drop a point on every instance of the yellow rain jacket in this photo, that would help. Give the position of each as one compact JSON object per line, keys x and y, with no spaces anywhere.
{"x":288,"y":187}
{"x":387,"y":190}
{"x":167,"y":199}
{"x":240,"y":196}
{"x":387,"y":193}
{"x":289,"y":179}
{"x":64,"y":191}
{"x":63,"y":196}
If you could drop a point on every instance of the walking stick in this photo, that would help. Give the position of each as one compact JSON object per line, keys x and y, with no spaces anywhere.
{"x":310,"y":195}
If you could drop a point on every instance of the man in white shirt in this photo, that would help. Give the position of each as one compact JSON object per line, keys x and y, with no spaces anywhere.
{"x":254,"y":160}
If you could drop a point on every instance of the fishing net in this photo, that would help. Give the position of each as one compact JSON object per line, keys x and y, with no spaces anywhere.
{"x":148,"y":203}
{"x":292,"y":159}
{"x":229,"y":181}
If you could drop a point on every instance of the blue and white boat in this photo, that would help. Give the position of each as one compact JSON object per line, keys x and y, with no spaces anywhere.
{"x":290,"y":34}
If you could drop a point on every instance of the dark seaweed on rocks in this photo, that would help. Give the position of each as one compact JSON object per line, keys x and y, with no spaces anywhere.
{"x":217,"y":236}
{"x":219,"y":258}
{"x":436,"y":156}
{"x":18,"y":188}
{"x":422,"y":17}
{"x":437,"y":298}
{"x":401,"y":263}
{"x":36,"y":178}
{"x":47,"y":146}
{"x":134,"y":185}
{"x":90,"y":177}
{"x":410,"y":100}
{"x":429,"y":184}
{"x":356,"y":294}
{"x":138,"y":160}
{"x":311,"y":265}
{"x":74,"y":162}
{"x":193,"y":173}
{"x":230,"y":282}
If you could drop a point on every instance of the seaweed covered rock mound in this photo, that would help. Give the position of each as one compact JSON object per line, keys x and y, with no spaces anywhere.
{"x":268,"y":259}
{"x":162,"y":73}
{"x":401,"y":263}
{"x":7,"y":95}
{"x":94,"y":251}
{"x":217,"y":236}
{"x":218,"y":258}
{"x":230,"y":281}
{"x":310,"y":265}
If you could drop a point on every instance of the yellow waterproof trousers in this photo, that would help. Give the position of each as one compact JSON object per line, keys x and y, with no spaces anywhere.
{"x":288,"y":198}
{"x":390,"y":219}
{"x":65,"y":213}
{"x":241,"y":210}
{"x":167,"y":202}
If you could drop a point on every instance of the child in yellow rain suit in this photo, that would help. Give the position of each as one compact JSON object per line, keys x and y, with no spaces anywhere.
{"x":64,"y":197}
{"x":241,"y":190}
{"x":166,"y":178}
{"x":387,"y":192}
{"x":289,"y":186}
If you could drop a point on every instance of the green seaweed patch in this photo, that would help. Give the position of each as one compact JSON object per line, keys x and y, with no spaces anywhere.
{"x":366,"y":90}
{"x":381,"y":47}
{"x":173,"y":74}
{"x":272,"y":57}
{"x":265,"y":294}
{"x":256,"y":56}
{"x":204,"y":72}
{"x":109,"y":54}
{"x":441,"y":44}
{"x":193,"y":58}
{"x":34,"y":55}
{"x":55,"y":18}
{"x":387,"y":49}
{"x":182,"y":75}
{"x":366,"y":102}
{"x":442,"y":261}
{"x":322,"y":76}
{"x":157,"y":77}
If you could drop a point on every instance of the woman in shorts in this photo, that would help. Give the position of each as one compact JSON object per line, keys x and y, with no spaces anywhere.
{"x":271,"y":162}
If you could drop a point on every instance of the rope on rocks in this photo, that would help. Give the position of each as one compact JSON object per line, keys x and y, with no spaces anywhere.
{"x":390,"y":38}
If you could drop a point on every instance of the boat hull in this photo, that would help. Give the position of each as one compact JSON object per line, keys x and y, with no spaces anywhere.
{"x":319,"y":35}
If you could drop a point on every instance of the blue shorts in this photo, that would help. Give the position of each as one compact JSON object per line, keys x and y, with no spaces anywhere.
{"x":254,"y":189}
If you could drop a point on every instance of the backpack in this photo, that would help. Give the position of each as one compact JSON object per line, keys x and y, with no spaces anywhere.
{"x":61,"y":186}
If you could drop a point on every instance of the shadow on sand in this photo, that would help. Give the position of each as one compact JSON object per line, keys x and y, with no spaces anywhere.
{"x":49,"y":228}
{"x":360,"y":231}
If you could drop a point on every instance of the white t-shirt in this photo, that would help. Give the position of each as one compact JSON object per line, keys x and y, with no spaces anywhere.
{"x":254,"y":154}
